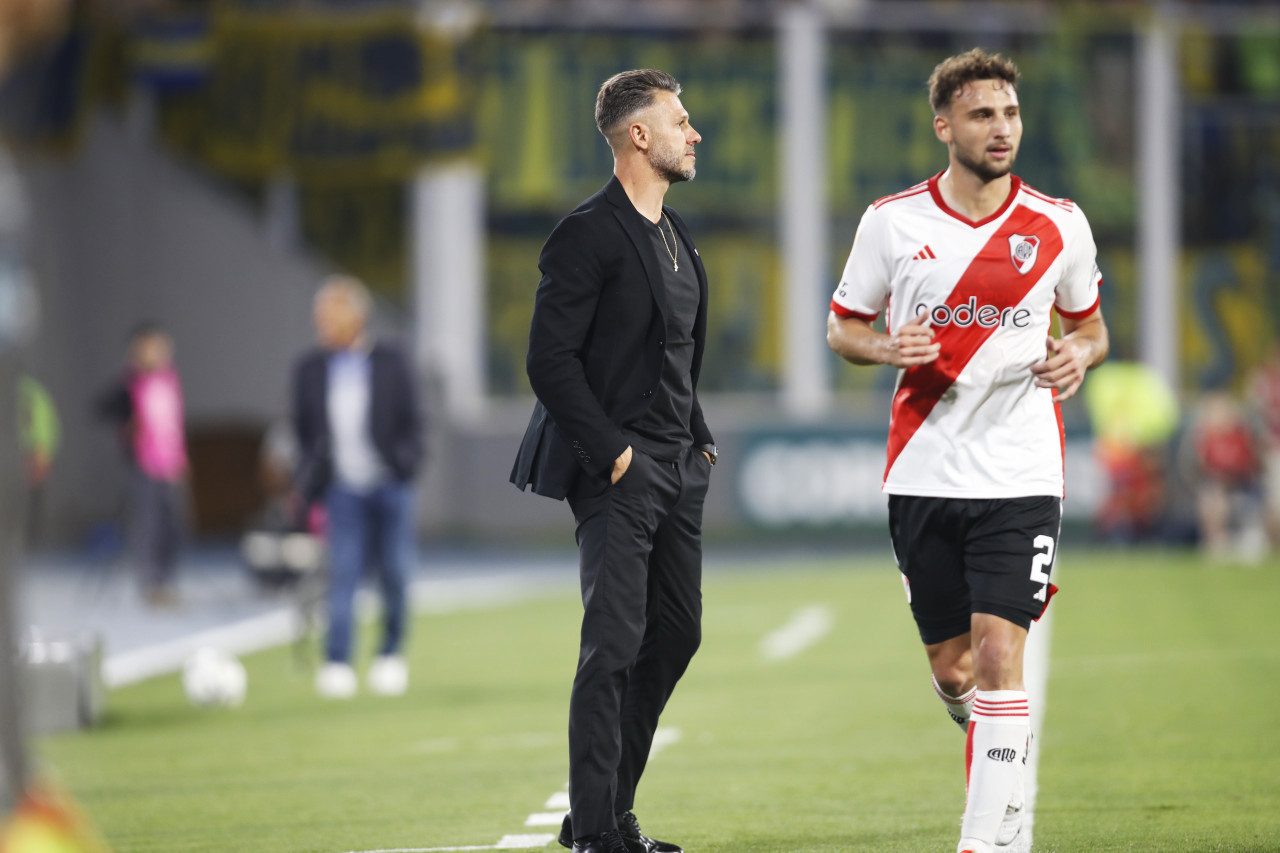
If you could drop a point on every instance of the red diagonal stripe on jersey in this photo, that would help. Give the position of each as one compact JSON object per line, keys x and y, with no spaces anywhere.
{"x":929,"y":252}
{"x":993,"y":279}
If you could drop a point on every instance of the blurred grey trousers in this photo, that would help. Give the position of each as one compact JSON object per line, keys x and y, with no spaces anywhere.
{"x":157,"y":519}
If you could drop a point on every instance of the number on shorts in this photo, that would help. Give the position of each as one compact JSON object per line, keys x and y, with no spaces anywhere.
{"x":1042,"y":561}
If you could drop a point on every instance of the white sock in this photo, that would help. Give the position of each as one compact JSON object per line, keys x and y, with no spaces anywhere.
{"x":958,"y":707}
{"x":998,"y":731}
{"x":968,"y":845}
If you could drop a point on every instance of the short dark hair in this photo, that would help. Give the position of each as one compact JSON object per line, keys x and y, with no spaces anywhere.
{"x":146,"y":329}
{"x":954,"y":73}
{"x":624,"y":94}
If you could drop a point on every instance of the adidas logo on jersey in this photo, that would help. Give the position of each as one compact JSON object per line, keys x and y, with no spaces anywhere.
{"x":968,"y":313}
{"x":925,"y":254}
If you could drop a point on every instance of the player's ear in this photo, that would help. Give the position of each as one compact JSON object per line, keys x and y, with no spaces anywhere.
{"x":638,"y":132}
{"x":942,"y":129}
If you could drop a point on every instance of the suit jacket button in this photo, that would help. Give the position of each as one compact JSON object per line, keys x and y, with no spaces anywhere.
{"x":647,"y":394}
{"x":661,"y":343}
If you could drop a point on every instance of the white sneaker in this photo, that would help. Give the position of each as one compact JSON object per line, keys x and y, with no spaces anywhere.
{"x":1010,"y":825}
{"x":388,"y":676}
{"x":336,"y":680}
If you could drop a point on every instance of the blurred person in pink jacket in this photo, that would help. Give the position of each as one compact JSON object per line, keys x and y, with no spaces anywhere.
{"x":147,"y":405}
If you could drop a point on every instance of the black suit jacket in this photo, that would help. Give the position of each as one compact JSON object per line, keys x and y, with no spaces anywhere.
{"x":395,"y":421}
{"x":597,"y":341}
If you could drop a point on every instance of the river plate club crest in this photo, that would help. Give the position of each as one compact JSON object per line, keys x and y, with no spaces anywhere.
{"x":1023,"y":251}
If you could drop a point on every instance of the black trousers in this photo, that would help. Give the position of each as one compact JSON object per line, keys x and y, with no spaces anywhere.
{"x":640,"y":546}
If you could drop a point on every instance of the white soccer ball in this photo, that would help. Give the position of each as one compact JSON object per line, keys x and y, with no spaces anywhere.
{"x":213,"y":678}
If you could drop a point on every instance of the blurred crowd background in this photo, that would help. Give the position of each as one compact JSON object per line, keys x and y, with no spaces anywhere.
{"x":204,"y":166}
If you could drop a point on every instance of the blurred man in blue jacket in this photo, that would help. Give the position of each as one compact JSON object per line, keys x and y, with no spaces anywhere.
{"x":360,"y":435}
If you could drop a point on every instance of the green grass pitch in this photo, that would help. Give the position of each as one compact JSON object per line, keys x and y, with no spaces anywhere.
{"x":1162,"y":728}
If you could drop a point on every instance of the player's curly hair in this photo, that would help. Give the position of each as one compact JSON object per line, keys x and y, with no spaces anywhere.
{"x":951,"y":74}
{"x":624,"y":94}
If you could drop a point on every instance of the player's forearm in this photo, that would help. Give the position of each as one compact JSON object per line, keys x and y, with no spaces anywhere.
{"x":855,"y":341}
{"x":1092,"y":335}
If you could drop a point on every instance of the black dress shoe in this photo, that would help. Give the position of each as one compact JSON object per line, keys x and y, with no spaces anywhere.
{"x":629,"y":829}
{"x":608,"y":841}
{"x":638,"y":842}
{"x":566,"y":833}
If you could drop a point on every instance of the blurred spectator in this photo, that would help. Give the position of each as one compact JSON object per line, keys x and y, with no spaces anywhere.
{"x":146,"y":405}
{"x":1226,"y":453}
{"x":40,"y":430}
{"x":25,"y":25}
{"x":360,"y":443}
{"x":1264,"y":393}
{"x":1133,"y":412}
{"x":40,"y":433}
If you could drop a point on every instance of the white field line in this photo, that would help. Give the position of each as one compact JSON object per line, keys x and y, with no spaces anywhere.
{"x":559,"y":802}
{"x":507,"y":842}
{"x":662,"y":739}
{"x":239,"y":638}
{"x":523,"y":842}
{"x":544,"y":819}
{"x":280,"y":626}
{"x":1035,"y":675}
{"x":423,"y":849}
{"x":807,"y":626}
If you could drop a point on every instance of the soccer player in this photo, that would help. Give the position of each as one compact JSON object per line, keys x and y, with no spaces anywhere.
{"x":970,"y":265}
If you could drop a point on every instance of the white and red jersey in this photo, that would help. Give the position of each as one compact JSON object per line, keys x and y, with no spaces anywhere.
{"x":972,"y":423}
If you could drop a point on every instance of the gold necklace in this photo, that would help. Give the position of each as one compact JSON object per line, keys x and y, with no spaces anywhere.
{"x":675,"y":266}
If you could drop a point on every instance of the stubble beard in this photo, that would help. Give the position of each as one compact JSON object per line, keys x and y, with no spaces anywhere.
{"x":670,"y":166}
{"x":986,"y":172}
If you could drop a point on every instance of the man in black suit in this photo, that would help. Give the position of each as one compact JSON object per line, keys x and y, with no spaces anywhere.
{"x":615,"y":348}
{"x":359,"y":431}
